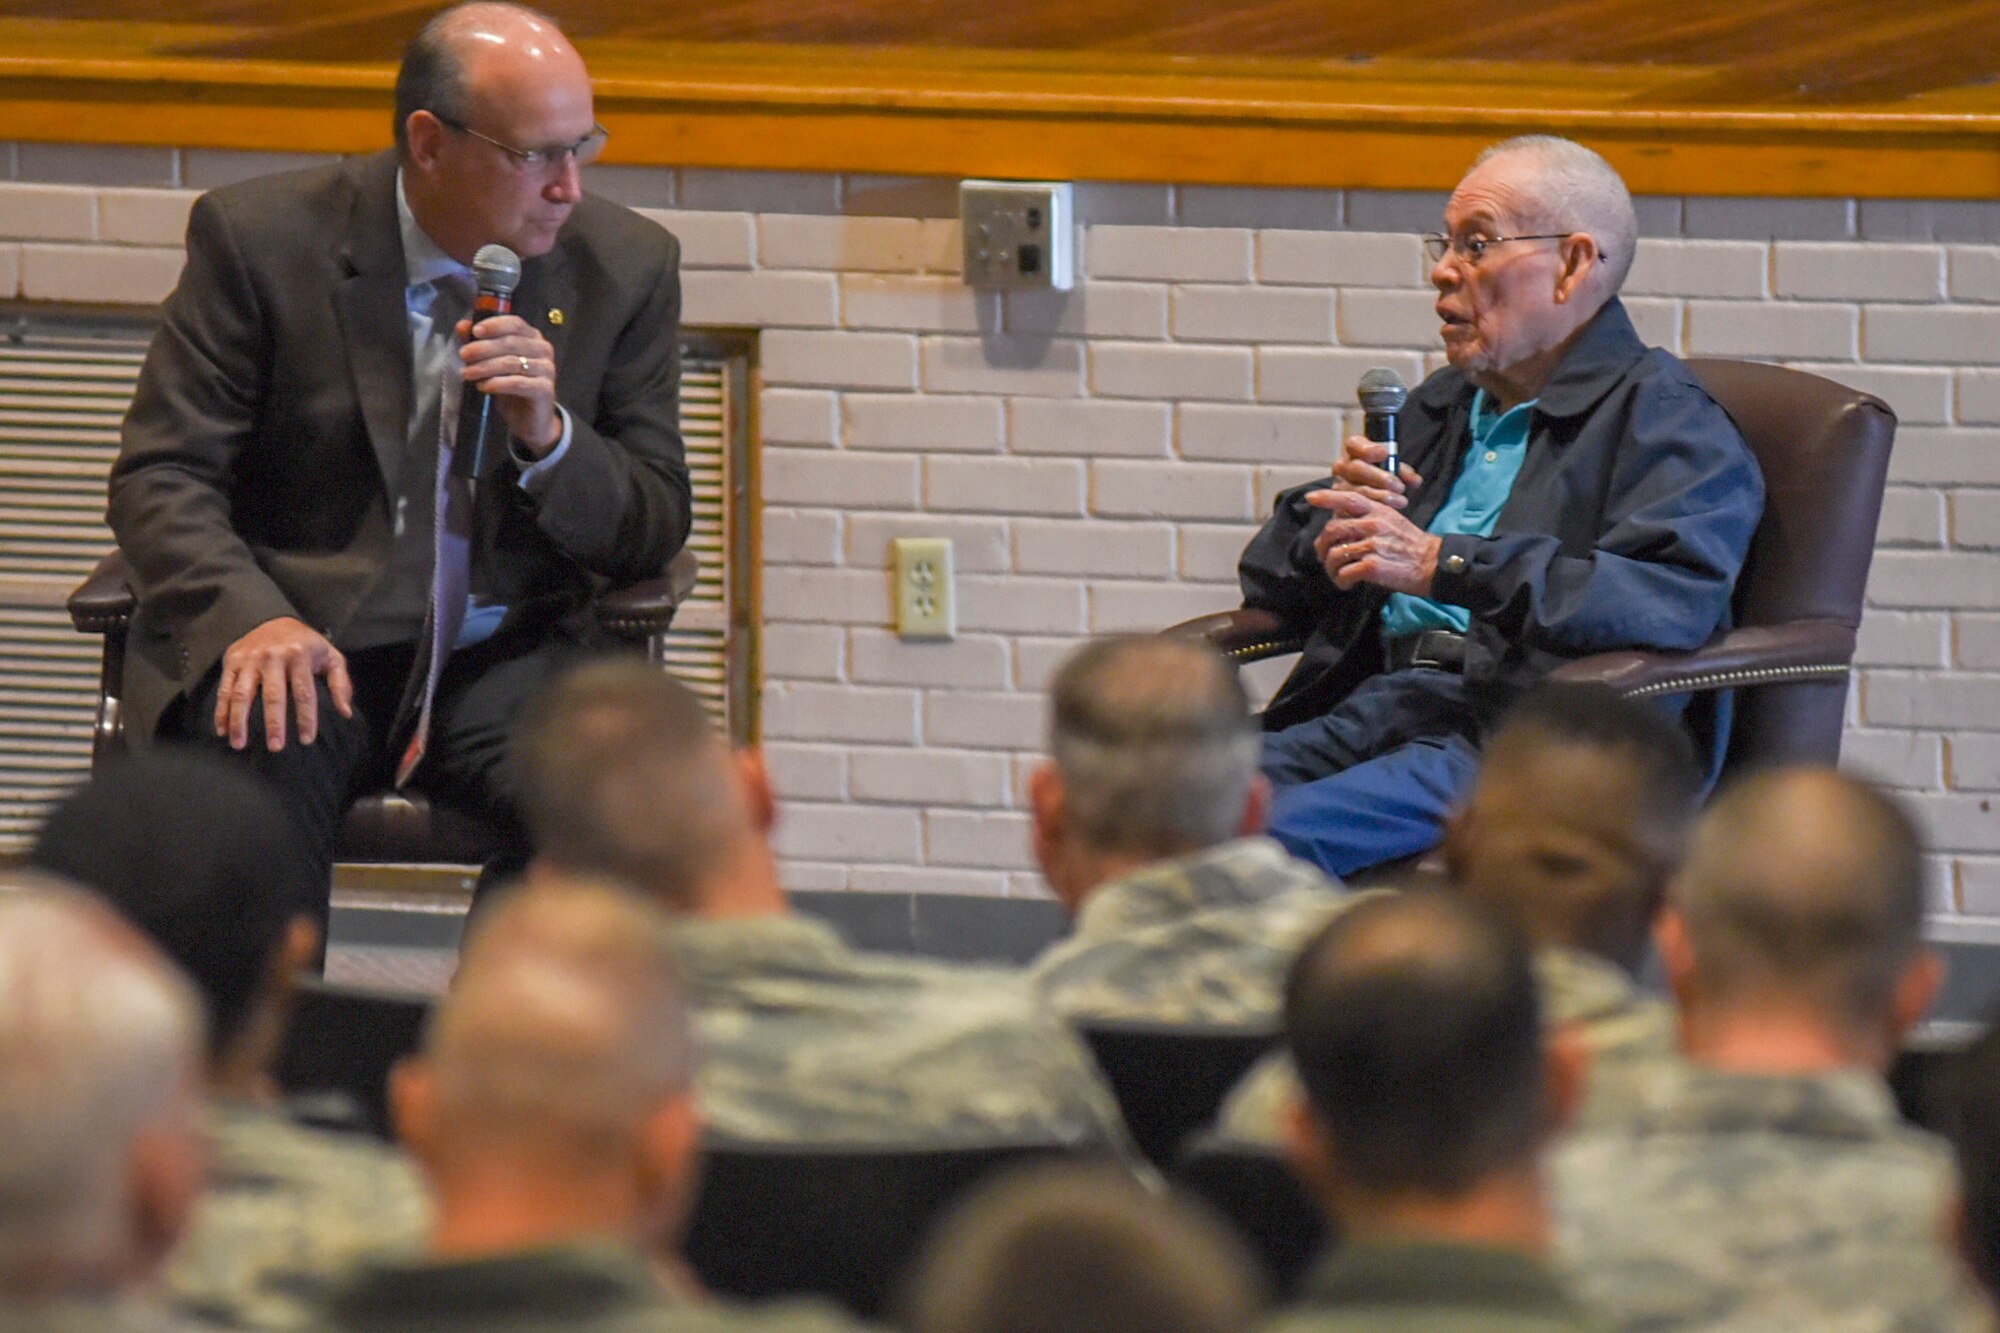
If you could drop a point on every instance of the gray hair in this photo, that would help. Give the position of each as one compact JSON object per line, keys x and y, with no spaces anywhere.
{"x":1155,"y":743}
{"x":1808,"y":884}
{"x":1577,"y":190}
{"x":100,"y":1042}
{"x":566,"y":1018}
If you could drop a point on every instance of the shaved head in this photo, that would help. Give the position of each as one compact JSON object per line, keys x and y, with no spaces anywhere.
{"x":1804,"y":884}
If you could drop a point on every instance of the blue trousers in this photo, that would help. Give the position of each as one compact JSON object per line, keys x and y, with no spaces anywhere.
{"x":1373,"y":779}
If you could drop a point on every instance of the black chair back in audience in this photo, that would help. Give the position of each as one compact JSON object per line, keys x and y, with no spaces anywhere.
{"x":842,"y":1223}
{"x":1253,"y":1188}
{"x":1171,"y":1080}
{"x":342,"y":1043}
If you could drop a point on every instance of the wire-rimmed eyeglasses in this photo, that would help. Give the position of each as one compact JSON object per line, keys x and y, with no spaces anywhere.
{"x":1470,"y":249}
{"x":550,"y":160}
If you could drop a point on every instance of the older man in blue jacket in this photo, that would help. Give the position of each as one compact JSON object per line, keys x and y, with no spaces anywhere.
{"x":1563,"y":490}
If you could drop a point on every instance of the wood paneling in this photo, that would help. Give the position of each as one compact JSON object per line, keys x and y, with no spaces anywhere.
{"x":1714,"y":96}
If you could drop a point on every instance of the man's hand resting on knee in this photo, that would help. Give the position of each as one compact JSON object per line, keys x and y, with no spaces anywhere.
{"x":279,"y":658}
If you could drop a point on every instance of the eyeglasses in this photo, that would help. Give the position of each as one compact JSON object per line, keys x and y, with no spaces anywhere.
{"x":1469,"y":250}
{"x":529,"y":161}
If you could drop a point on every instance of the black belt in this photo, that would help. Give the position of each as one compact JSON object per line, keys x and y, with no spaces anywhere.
{"x":1437,"y":648}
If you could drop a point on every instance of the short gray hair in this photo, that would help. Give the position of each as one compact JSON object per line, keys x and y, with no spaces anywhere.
{"x":566,"y":1017}
{"x":100,"y":1041}
{"x":1806,"y":883}
{"x":1155,"y":743}
{"x":1577,"y":190}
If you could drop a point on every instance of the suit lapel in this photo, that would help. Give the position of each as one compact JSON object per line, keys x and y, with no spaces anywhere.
{"x":374,"y":317}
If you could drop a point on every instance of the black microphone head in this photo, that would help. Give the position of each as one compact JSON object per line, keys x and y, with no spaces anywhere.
{"x":498,"y":269}
{"x":1382,"y":391}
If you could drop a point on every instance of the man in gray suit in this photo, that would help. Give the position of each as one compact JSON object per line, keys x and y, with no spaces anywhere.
{"x":278,"y":489}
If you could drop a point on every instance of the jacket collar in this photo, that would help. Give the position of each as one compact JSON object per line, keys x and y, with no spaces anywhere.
{"x":1600,"y":356}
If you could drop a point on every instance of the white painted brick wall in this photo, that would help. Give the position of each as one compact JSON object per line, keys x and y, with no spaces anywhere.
{"x":1099,"y":457}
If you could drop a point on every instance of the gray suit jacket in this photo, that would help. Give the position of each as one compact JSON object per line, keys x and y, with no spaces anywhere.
{"x":260,"y":457}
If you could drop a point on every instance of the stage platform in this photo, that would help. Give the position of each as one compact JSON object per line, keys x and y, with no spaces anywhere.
{"x":1727,"y":97}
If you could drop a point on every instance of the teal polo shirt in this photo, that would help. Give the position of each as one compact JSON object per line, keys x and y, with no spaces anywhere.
{"x":1485,"y":480}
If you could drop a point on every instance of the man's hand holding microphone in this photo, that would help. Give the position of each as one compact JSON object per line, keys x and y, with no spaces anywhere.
{"x":1367,"y":539}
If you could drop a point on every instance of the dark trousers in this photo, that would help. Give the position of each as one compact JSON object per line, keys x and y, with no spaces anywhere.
{"x":1373,"y":779}
{"x":481,"y":692}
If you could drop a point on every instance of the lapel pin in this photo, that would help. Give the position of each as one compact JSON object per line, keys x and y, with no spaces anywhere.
{"x":555,"y":316}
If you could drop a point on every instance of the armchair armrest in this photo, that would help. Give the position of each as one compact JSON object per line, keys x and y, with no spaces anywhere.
{"x":1753,"y":655}
{"x":1242,"y":635}
{"x":103,"y":603}
{"x":638,"y":611}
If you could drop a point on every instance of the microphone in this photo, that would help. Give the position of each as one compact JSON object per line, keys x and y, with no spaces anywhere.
{"x":497,"y":271}
{"x":1382,"y":396}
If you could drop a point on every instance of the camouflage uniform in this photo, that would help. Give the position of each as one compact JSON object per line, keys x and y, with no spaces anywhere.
{"x":93,"y":1316}
{"x":1432,"y":1287}
{"x":1745,"y":1201}
{"x":807,"y":1041}
{"x":1627,"y":1031}
{"x":584,"y":1287}
{"x":1202,"y":940}
{"x":287,"y":1207}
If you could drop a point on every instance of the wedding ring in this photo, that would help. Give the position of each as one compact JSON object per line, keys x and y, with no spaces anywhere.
{"x":526,"y":369}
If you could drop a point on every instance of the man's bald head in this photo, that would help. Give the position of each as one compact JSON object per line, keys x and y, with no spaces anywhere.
{"x":564,"y":1031}
{"x":1804,"y":886}
{"x":482,"y":48}
{"x":1416,"y":1028}
{"x":620,"y":773}
{"x":1155,"y":744}
{"x":1566,"y":187}
{"x":101,"y":1043}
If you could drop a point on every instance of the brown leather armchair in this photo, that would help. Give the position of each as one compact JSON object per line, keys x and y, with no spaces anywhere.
{"x":1824,"y":450}
{"x":382,"y":826}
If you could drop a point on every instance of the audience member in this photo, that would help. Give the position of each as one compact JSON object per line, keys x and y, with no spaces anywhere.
{"x":1146,"y":822}
{"x":552,"y":1111}
{"x":1430,"y":1098}
{"x":1578,"y":818}
{"x":1767,"y":1182}
{"x":203,"y":858}
{"x":805,"y":1040}
{"x":100,"y":1114}
{"x":1067,"y":1249}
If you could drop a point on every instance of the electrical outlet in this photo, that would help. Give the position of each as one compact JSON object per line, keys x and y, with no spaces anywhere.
{"x":924,"y":602}
{"x":1018,"y":234}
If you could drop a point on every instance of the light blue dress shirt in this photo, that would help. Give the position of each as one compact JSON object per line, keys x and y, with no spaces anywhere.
{"x":1485,"y":480}
{"x":425,"y":263}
